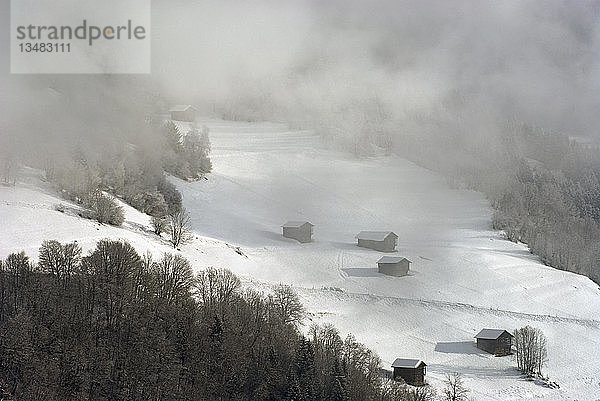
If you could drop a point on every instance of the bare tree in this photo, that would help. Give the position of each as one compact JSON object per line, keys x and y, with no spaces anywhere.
{"x":174,"y":277}
{"x":215,"y":288}
{"x":8,"y":169}
{"x":59,"y":260}
{"x":159,"y":224}
{"x":180,"y":228}
{"x":362,"y":370}
{"x":531,"y":352}
{"x":423,"y":393}
{"x":454,"y":389}
{"x":392,"y":390}
{"x":287,"y":304}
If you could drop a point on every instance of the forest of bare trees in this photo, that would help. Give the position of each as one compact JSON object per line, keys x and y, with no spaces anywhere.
{"x":114,"y":325}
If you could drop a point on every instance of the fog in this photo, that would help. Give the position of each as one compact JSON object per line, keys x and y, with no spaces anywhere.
{"x":532,"y":61}
{"x":467,"y":65}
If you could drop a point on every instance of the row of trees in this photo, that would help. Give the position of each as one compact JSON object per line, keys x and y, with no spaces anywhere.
{"x":116,"y":325}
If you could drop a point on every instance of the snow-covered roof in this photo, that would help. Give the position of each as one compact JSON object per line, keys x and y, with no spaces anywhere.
{"x":296,"y":224}
{"x":392,"y":259}
{"x":181,"y":107}
{"x":374,"y":235}
{"x":407,"y":363}
{"x":491,"y":334}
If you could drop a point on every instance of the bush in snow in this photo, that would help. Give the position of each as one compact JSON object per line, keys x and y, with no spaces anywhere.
{"x":106,"y":210}
{"x":149,"y":202}
{"x":159,"y":224}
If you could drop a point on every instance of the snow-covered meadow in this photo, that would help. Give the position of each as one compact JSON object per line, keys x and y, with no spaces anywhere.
{"x":463,"y":277}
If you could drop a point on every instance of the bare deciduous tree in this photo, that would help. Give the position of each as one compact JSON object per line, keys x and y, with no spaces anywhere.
{"x":8,"y":168}
{"x":180,"y":228}
{"x":423,"y":393}
{"x":58,"y":259}
{"x":215,"y":287}
{"x":454,"y":389}
{"x":174,"y":277}
{"x":287,"y":305}
{"x":531,"y":352}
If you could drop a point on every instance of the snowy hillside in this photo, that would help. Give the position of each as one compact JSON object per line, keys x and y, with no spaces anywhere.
{"x":29,"y":214}
{"x":463,"y":276}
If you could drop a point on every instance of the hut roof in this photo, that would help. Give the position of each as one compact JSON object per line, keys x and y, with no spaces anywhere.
{"x":181,"y":107}
{"x":407,"y":363}
{"x":375,"y":235}
{"x":392,"y":259}
{"x":491,"y":334}
{"x":296,"y":224}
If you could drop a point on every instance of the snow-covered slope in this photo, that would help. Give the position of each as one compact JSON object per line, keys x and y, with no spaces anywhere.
{"x":464,"y":276}
{"x":29,"y":214}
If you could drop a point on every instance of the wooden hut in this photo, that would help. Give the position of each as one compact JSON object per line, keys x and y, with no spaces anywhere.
{"x":382,"y":241}
{"x":183,"y":112}
{"x":301,"y":231}
{"x":412,"y":371}
{"x":393,"y":265}
{"x":495,"y":341}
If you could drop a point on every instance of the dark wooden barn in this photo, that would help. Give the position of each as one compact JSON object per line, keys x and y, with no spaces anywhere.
{"x":412,"y":371}
{"x":393,"y":265}
{"x":299,"y":230}
{"x":495,"y":341}
{"x":382,"y":241}
{"x":183,"y":113}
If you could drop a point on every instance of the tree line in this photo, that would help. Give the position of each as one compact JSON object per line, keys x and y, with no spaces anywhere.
{"x":116,"y":325}
{"x":543,"y":187}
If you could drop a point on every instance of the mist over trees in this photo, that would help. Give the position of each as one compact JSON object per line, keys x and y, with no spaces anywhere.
{"x":112,"y":142}
{"x":187,"y":154}
{"x":543,"y":186}
{"x":115,"y":325}
{"x":370,"y":79}
{"x":454,"y":97}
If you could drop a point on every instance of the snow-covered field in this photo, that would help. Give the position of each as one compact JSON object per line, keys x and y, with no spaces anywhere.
{"x":464,"y":276}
